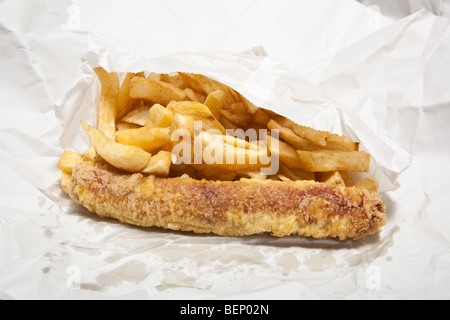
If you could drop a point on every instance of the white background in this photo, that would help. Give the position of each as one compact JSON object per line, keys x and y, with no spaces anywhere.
{"x":387,"y":60}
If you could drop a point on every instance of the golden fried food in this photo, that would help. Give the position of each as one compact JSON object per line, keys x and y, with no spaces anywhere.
{"x":227,"y":208}
{"x":185,"y":152}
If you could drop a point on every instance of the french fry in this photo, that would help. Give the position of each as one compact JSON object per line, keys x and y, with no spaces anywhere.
{"x":181,"y":122}
{"x":199,"y":112}
{"x":120,"y":125}
{"x":213,"y":173}
{"x":319,"y":140}
{"x":291,"y":137}
{"x":348,"y":180}
{"x":342,"y":143}
{"x":234,"y":117}
{"x":214,"y":102}
{"x":213,"y":124}
{"x":159,"y":164}
{"x":218,"y":154}
{"x":192,"y":95}
{"x":330,"y":160}
{"x":91,"y":154}
{"x":281,"y":177}
{"x":128,"y":158}
{"x":310,"y":134}
{"x":285,"y":152}
{"x":295,"y":174}
{"x":125,"y":102}
{"x":138,"y":115}
{"x":175,"y":79}
{"x":190,"y":108}
{"x":227,"y":124}
{"x":159,"y":116}
{"x":251,"y":108}
{"x":237,"y":110}
{"x":252,"y":174}
{"x":370,"y":184}
{"x":199,"y":82}
{"x":108,"y":101}
{"x":238,"y":113}
{"x":333,"y":178}
{"x":69,"y":160}
{"x":239,"y":143}
{"x":149,"y":139}
{"x":155,"y":91}
{"x":154,"y":76}
{"x":260,"y":117}
{"x":146,"y":128}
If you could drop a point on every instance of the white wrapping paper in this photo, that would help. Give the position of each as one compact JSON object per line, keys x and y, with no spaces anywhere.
{"x":385,"y":84}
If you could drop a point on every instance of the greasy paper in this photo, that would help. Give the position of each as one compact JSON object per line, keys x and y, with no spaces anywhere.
{"x":382,"y":82}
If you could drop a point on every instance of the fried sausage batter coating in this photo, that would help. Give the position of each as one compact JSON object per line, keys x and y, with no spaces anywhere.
{"x":236,"y":208}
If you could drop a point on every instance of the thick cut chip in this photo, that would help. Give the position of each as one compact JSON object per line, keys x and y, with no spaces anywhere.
{"x":128,"y":158}
{"x":216,"y":153}
{"x":240,"y":143}
{"x":342,"y":143}
{"x":159,"y":116}
{"x":92,"y":155}
{"x":68,"y":160}
{"x":149,"y":139}
{"x":348,"y":180}
{"x":199,"y":82}
{"x":371,"y":184}
{"x":260,"y":117}
{"x":318,"y":140}
{"x":329,"y":160}
{"x":125,"y":102}
{"x":154,"y":76}
{"x":125,"y":126}
{"x":190,"y":108}
{"x":213,"y":173}
{"x":199,"y":112}
{"x":291,"y":137}
{"x":175,"y":79}
{"x":333,"y":178}
{"x":252,"y":174}
{"x":138,"y":115}
{"x":159,"y":164}
{"x":192,"y":95}
{"x":295,"y":174}
{"x":284,"y":151}
{"x":183,"y":123}
{"x":155,"y":91}
{"x":108,"y":101}
{"x":236,"y":110}
{"x":251,"y":108}
{"x":214,"y":102}
{"x":310,"y":134}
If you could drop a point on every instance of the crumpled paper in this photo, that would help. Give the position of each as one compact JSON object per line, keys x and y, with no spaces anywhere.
{"x":387,"y":87}
{"x":401,"y":8}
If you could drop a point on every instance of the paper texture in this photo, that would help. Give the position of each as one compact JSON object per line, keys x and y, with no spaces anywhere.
{"x":401,"y":8}
{"x":384,"y":83}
